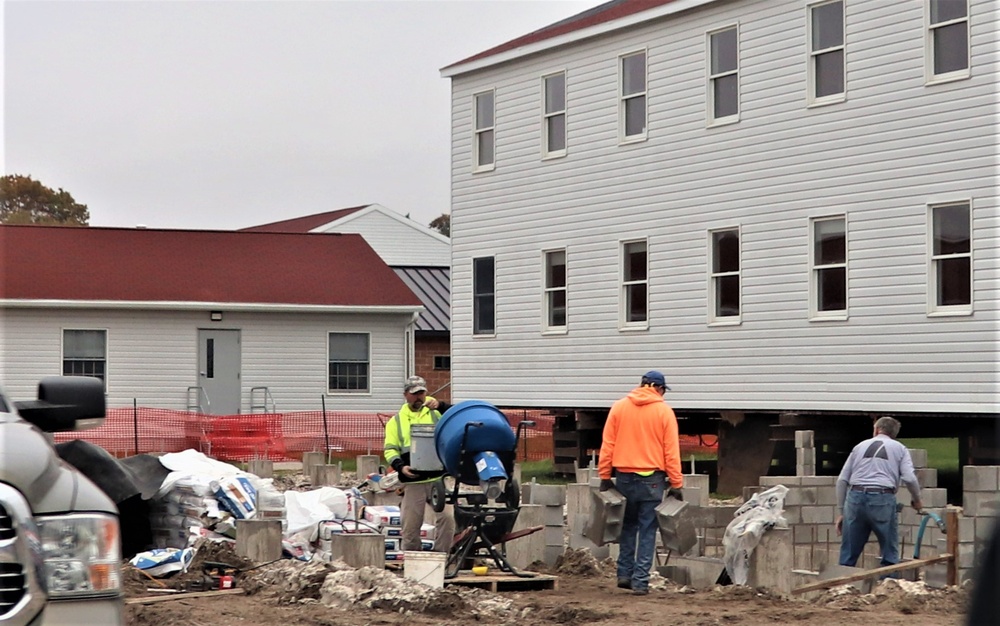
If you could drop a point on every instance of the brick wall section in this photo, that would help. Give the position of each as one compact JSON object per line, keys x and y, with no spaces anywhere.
{"x":426,"y":349}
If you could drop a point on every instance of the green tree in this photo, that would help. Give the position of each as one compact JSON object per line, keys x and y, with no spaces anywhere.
{"x":24,"y":200}
{"x":442,"y":224}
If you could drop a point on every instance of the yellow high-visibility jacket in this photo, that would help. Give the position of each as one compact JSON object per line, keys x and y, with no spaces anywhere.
{"x":397,"y":437}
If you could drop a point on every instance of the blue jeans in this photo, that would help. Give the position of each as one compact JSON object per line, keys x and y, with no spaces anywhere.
{"x":865,"y":513}
{"x":637,"y":543}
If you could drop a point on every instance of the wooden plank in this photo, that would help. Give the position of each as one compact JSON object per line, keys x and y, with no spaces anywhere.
{"x":878,"y":571}
{"x":182,"y":596}
{"x":504,"y":582}
{"x":951,"y":539}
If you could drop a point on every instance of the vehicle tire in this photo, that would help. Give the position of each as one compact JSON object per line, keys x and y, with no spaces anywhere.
{"x":438,"y":496}
{"x":511,"y":494}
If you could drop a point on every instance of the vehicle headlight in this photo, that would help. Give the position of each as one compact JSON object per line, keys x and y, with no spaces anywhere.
{"x":82,"y":554}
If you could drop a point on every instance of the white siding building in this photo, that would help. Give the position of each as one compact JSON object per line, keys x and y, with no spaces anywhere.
{"x":785,"y":206}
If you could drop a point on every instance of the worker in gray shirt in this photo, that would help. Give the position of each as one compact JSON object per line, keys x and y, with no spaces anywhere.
{"x":866,"y":493}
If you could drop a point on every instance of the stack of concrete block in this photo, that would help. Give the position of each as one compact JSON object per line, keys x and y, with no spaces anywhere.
{"x":805,"y":453}
{"x":696,"y":489}
{"x":578,"y":512}
{"x":981,"y":501}
{"x":552,"y":499}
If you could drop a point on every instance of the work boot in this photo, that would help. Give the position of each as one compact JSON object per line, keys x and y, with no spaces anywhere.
{"x":624,"y":583}
{"x":640,"y":592}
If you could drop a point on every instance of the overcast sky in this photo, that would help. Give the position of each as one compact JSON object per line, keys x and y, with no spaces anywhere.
{"x":224,"y":114}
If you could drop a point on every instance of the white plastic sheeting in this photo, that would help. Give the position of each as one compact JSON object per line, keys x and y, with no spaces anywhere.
{"x":757,"y":515}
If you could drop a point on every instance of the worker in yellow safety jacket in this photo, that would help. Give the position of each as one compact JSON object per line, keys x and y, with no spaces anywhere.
{"x":418,"y":409}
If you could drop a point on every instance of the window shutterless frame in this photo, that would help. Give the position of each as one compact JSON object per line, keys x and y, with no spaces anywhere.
{"x":949,"y":258}
{"x":484,"y":131}
{"x":725,"y":283}
{"x":349,"y":362}
{"x":554,"y":291}
{"x":634,"y":291}
{"x":946,"y":42}
{"x":484,"y":296}
{"x":554,"y":115}
{"x":85,"y":353}
{"x":826,"y":62}
{"x":722,"y":53}
{"x":828,"y":286}
{"x":632,"y":93}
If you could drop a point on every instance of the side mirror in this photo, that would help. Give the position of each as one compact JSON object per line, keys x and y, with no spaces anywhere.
{"x":65,"y":401}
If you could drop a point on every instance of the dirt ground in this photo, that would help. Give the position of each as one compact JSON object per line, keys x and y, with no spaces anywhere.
{"x":292,"y":593}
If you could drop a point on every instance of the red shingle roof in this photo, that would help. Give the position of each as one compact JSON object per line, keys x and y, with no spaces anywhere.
{"x":151,"y":265}
{"x":302,"y":224}
{"x":607,"y":12}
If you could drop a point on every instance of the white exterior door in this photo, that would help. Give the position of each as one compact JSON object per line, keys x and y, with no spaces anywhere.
{"x":219,"y":371}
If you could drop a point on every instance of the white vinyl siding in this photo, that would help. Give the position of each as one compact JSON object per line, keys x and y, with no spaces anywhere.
{"x":947,"y":51}
{"x":724,"y":278}
{"x":827,"y":66}
{"x":949,"y":279}
{"x":828,"y":277}
{"x":893,"y":148}
{"x":383,"y":232}
{"x":554,"y":115}
{"x":724,"y":76}
{"x":153,"y":355}
{"x":484,"y":155}
{"x":632,"y":108}
{"x":554,"y":294}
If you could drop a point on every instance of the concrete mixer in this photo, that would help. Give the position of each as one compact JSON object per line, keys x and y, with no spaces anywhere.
{"x":477,"y":447}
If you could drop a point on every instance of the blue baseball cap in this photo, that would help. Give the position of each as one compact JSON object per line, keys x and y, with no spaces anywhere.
{"x":652,"y":377}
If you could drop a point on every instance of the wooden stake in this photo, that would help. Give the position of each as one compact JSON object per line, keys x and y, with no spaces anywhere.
{"x":951,"y":540}
{"x":872,"y":573}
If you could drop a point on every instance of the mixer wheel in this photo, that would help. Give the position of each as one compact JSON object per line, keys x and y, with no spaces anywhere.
{"x":511,"y":496}
{"x":438,"y":496}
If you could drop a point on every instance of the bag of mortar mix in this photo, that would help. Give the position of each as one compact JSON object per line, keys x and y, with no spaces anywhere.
{"x":237,"y":495}
{"x":161,"y":562}
{"x":757,"y":515}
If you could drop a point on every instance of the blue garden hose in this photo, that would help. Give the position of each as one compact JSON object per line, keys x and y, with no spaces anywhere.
{"x":928,"y":515}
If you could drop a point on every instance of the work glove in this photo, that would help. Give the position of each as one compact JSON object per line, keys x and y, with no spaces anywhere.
{"x":675,"y":493}
{"x":397,"y":464}
{"x":606,"y":483}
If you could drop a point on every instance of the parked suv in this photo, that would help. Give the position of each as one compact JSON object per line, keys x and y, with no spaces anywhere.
{"x":60,"y":542}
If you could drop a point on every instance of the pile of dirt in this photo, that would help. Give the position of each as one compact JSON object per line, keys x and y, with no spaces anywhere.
{"x":578,"y":563}
{"x":898,"y":596}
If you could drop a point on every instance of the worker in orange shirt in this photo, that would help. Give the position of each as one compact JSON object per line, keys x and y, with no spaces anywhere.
{"x":641,"y":447}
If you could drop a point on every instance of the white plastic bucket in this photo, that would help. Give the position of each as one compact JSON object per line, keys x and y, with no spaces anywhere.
{"x":425,"y":567}
{"x":423,"y":454}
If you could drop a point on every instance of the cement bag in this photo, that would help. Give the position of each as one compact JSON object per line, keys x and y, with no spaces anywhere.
{"x":237,"y":495}
{"x":161,"y":562}
{"x":304,"y":510}
{"x":757,"y":515}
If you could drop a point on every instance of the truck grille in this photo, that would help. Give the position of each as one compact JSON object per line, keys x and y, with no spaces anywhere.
{"x":11,"y":586}
{"x":6,"y":525}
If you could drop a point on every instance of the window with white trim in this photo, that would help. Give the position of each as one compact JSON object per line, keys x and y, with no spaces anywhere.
{"x":826,"y":53}
{"x":485,"y":136}
{"x":632,"y":107}
{"x":724,"y":278}
{"x":947,"y":39}
{"x":349,"y":362}
{"x":555,"y":290}
{"x":483,"y":296}
{"x":85,"y":353}
{"x":828,"y":280}
{"x":554,"y":115}
{"x":723,"y":76}
{"x":635,"y":284}
{"x":950,"y":277}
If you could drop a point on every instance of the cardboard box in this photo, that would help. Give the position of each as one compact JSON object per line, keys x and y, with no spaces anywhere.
{"x":387,"y":515}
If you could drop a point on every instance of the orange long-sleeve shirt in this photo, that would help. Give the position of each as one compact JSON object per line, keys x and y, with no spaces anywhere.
{"x":641,"y":436}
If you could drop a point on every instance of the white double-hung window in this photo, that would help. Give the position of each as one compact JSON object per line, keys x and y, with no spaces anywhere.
{"x":85,"y":353}
{"x":950,"y":273}
{"x":485,"y":136}
{"x":349,"y":362}
{"x":635,"y":285}
{"x":632,"y":104}
{"x":724,"y":278}
{"x":723,"y":76}
{"x":554,"y":115}
{"x":828,"y":278}
{"x":947,"y":40}
{"x":826,"y":53}
{"x":483,"y":296}
{"x":555,"y":290}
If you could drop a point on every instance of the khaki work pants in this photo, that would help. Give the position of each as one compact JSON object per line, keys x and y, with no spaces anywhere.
{"x":414,"y":508}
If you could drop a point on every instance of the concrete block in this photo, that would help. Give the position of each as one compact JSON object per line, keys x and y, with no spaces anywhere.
{"x":261,"y":467}
{"x":984,"y":528}
{"x":981,"y":504}
{"x":552,"y":535}
{"x":698,"y":486}
{"x":549,"y":495}
{"x":804,"y":534}
{"x":748,"y":492}
{"x":312,"y":458}
{"x":980,"y":478}
{"x":325,"y":475}
{"x":367,"y":464}
{"x":927,"y":477}
{"x":722,"y":515}
{"x":554,"y":516}
{"x":702,"y":572}
{"x":788,"y":481}
{"x":805,"y":456}
{"x":771,"y":562}
{"x":805,"y":439}
{"x":805,"y":469}
{"x":676,"y":573}
{"x":817,"y":515}
{"x":695,"y":496}
{"x":523,"y":551}
{"x":934,"y":497}
{"x":516,"y":474}
{"x":919,"y":457}
{"x":836,"y":571}
{"x":967,"y":555}
{"x":358,"y":550}
{"x":808,"y":496}
{"x":577,"y":500}
{"x":966,"y":529}
{"x":826,"y":496}
{"x":677,"y":531}
{"x":818,"y":481}
{"x":552,"y":554}
{"x":260,"y":539}
{"x":792,"y":515}
{"x":578,"y":541}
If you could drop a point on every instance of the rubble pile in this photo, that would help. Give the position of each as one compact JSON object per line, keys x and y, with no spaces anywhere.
{"x":901,"y":595}
{"x":578,"y":563}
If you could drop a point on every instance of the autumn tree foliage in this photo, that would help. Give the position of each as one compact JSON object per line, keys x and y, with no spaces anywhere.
{"x":24,"y":200}
{"x":442,"y":224}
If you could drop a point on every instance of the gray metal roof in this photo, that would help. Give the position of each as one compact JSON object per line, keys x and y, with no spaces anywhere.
{"x":433,"y":286}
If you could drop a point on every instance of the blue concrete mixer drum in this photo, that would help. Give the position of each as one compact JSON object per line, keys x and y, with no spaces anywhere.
{"x":475,"y":443}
